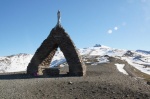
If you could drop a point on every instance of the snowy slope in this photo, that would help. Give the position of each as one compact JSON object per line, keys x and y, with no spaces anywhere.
{"x":143,"y":67}
{"x":92,"y":55}
{"x":14,"y":63}
{"x":103,"y":50}
{"x":58,"y":59}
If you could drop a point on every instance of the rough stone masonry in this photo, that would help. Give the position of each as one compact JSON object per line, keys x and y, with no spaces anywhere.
{"x":44,"y":54}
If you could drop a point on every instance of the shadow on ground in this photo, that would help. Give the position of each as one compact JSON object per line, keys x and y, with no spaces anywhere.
{"x":26,"y":76}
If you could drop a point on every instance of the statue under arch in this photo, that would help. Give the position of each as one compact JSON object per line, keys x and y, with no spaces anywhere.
{"x":44,"y":54}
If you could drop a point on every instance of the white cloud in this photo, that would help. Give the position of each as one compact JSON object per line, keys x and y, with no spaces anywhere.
{"x":116,"y":28}
{"x":110,"y":31}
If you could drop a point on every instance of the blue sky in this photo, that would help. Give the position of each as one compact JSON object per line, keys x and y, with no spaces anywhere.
{"x":123,"y":24}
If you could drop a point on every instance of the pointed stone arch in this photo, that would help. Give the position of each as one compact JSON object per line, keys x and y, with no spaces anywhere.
{"x":44,"y":54}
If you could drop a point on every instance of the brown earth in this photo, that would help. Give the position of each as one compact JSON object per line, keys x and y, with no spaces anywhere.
{"x":102,"y":81}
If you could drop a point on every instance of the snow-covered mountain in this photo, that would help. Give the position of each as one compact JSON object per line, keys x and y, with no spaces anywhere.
{"x":143,"y":52}
{"x":14,"y":63}
{"x":101,"y":51}
{"x":91,"y":55}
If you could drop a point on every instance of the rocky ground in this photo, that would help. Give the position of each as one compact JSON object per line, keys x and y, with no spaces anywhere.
{"x":102,"y":81}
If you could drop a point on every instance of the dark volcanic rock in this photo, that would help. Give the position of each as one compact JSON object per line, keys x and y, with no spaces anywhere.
{"x":148,"y":83}
{"x":129,"y":53}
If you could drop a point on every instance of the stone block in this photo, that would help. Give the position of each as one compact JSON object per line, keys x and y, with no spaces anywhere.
{"x":51,"y":72}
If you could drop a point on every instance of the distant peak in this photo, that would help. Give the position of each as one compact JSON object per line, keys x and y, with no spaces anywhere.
{"x":143,"y":51}
{"x":97,"y":45}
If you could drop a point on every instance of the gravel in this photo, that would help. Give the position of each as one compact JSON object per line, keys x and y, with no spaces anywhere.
{"x":102,"y":81}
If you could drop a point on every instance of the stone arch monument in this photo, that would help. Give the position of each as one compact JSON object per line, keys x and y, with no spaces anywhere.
{"x":44,"y":54}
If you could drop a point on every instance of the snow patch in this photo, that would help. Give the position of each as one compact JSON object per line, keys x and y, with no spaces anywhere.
{"x":120,"y":67}
{"x":102,"y":60}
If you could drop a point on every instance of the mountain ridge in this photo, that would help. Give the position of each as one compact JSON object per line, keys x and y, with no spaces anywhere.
{"x":19,"y":62}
